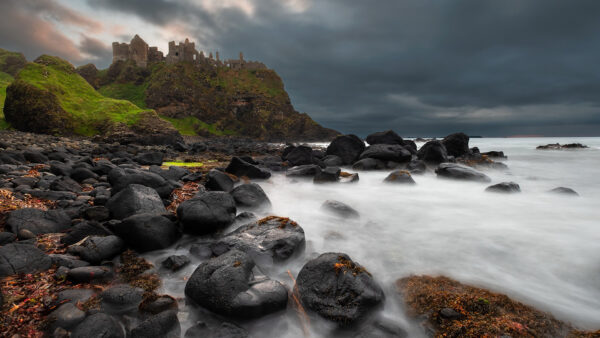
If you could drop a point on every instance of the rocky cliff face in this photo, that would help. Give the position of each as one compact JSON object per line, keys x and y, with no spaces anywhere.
{"x":221,"y":101}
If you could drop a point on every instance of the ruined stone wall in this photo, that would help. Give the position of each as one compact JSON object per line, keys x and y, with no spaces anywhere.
{"x":154,"y":55}
{"x":120,"y":52}
{"x":139,"y":51}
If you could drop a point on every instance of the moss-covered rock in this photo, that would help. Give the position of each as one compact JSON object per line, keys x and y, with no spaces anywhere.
{"x":29,"y":108}
{"x":90,"y":73}
{"x":448,"y":308}
{"x":49,"y":96}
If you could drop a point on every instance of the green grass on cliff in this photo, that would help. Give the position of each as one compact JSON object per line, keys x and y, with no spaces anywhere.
{"x":264,"y":82}
{"x":5,"y":80}
{"x":77,"y":97}
{"x":126,"y":91}
{"x":190,"y":125}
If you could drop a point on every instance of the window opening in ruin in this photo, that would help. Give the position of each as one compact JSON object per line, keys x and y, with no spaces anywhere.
{"x":176,"y":53}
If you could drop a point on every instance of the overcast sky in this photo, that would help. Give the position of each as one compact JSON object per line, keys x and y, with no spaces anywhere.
{"x":420,"y":67}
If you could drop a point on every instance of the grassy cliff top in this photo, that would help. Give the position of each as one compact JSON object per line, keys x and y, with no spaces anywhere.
{"x":76,"y":96}
{"x":11,"y":62}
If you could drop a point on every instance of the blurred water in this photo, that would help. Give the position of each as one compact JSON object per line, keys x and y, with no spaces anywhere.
{"x":539,"y":248}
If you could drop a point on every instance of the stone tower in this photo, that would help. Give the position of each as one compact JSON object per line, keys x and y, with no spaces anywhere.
{"x":138,"y":50}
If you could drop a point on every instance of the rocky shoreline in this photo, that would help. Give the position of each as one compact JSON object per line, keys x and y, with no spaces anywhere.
{"x":75,"y":215}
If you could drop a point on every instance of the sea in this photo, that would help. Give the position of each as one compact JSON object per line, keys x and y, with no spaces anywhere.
{"x":539,"y":248}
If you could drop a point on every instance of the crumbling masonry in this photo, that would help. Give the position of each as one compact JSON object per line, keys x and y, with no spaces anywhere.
{"x":139,"y":51}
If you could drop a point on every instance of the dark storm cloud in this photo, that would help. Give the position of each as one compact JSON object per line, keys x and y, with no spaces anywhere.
{"x":422,"y":67}
{"x":95,"y":49}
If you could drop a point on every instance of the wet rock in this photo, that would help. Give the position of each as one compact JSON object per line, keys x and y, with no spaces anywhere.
{"x":250,"y":195}
{"x":101,"y":195}
{"x":135,"y":199}
{"x":224,"y":330}
{"x":340,"y":209}
{"x":299,"y":155}
{"x":218,"y":181}
{"x":22,"y":258}
{"x":385,"y":137}
{"x":349,"y":178}
{"x":120,"y":299}
{"x":450,"y":314}
{"x":271,"y":239}
{"x":73,"y":296}
{"x":122,"y":178}
{"x":147,"y":232}
{"x":50,"y":195}
{"x":558,"y":146}
{"x":175,"y":262}
{"x":28,"y":181}
{"x":410,"y":146}
{"x":239,"y":167}
{"x":158,"y":305}
{"x":102,"y":167}
{"x":81,"y":174}
{"x":460,"y":172}
{"x":95,"y":249}
{"x":328,"y":175}
{"x":38,"y":221}
{"x":99,"y":325}
{"x":97,"y":213}
{"x":416,"y":167}
{"x":318,"y":153}
{"x":60,"y":169}
{"x":369,"y":164}
{"x":494,"y":154}
{"x":399,"y":177}
{"x":165,"y":324}
{"x":83,"y":230}
{"x":88,"y":274}
{"x":68,"y":261}
{"x":7,"y":237}
{"x":387,"y":152}
{"x":25,"y":234}
{"x":65,"y":184}
{"x":435,"y":300}
{"x":226,"y":285}
{"x":207,"y":212}
{"x":504,"y":187}
{"x":309,"y":170}
{"x":456,"y":144}
{"x":150,"y":158}
{"x":61,"y":272}
{"x":564,"y":191}
{"x":338,"y":289}
{"x":192,"y":177}
{"x":174,"y":173}
{"x":35,"y":156}
{"x":433,"y":152}
{"x":347,"y":147}
{"x":66,"y":316}
{"x":333,"y":161}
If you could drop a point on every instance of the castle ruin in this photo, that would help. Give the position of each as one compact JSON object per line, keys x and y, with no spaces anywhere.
{"x":139,"y":52}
